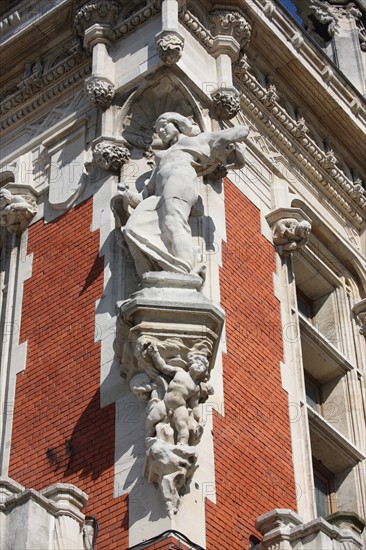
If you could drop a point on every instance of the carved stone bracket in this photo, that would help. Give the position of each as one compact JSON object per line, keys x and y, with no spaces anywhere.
{"x":169,"y":45}
{"x":359,"y":310}
{"x":16,"y":211}
{"x":96,"y":12}
{"x":291,"y":228}
{"x":226,"y":102}
{"x":110,"y":154}
{"x":166,"y":342}
{"x":230,"y":23}
{"x":99,"y":91}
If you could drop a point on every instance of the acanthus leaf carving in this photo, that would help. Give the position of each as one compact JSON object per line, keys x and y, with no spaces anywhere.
{"x":100,"y":92}
{"x":110,"y":155}
{"x":16,"y":211}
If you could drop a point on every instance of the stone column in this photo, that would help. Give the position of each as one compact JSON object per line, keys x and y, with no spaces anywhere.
{"x":169,"y":42}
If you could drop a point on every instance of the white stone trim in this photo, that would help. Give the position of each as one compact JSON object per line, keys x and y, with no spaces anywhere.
{"x":14,"y":353}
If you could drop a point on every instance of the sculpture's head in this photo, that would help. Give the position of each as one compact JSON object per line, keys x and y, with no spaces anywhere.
{"x":5,"y":197}
{"x":198,"y":366}
{"x":170,"y":125}
{"x":303,"y":229}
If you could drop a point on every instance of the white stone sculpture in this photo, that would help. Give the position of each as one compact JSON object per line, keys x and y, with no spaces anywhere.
{"x":110,"y":155}
{"x":173,"y":419}
{"x":16,"y":211}
{"x":290,"y":234}
{"x":157,"y":231}
{"x":167,"y":339}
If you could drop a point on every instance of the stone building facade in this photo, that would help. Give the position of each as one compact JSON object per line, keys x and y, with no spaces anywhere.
{"x":183,"y":275}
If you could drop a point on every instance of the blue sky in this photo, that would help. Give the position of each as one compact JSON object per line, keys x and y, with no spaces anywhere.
{"x":291,"y":8}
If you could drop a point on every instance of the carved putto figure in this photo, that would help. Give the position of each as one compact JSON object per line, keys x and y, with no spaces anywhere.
{"x":290,"y":235}
{"x":157,"y":231}
{"x":16,"y":211}
{"x":173,"y":419}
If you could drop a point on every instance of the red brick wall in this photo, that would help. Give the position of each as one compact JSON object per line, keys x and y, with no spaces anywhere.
{"x":253,"y":459}
{"x":60,"y":434}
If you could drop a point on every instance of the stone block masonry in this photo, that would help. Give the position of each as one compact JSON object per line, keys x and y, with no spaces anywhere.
{"x":60,"y":433}
{"x":253,"y":458}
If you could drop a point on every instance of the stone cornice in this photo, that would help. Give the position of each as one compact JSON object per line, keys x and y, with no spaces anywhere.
{"x":51,"y":84}
{"x":347,"y":196}
{"x":321,"y":74}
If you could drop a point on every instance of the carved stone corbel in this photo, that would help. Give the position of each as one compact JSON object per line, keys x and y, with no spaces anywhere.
{"x":110,"y":154}
{"x":359,"y":310}
{"x":291,"y":228}
{"x":226,"y":102}
{"x":230,"y":23}
{"x":96,"y":12}
{"x":16,"y":211}
{"x":231,"y":32}
{"x":166,"y":342}
{"x":169,"y":45}
{"x":99,"y":91}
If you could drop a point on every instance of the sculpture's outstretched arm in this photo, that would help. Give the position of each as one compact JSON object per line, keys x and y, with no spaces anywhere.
{"x":159,"y":362}
{"x":229,"y":135}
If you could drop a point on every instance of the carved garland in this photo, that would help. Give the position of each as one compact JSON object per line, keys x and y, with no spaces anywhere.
{"x":325,"y":171}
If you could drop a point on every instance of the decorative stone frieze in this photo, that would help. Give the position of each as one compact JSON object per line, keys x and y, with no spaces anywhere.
{"x":50,"y":519}
{"x":230,"y":23}
{"x":110,"y":154}
{"x":55,"y":81}
{"x":197,"y":29}
{"x":99,"y":91}
{"x":318,"y":163}
{"x":142,"y":15}
{"x":16,"y":211}
{"x":169,"y":45}
{"x":283,"y":529}
{"x":359,"y":310}
{"x":291,"y":229}
{"x":271,"y":96}
{"x":96,"y":12}
{"x":166,"y":342}
{"x":226,"y":103}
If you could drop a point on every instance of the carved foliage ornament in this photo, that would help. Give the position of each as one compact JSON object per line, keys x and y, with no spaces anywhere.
{"x":170,"y":48}
{"x":230,"y":23}
{"x":96,"y":11}
{"x":16,"y":211}
{"x":226,"y":103}
{"x":110,"y":156}
{"x":99,"y":92}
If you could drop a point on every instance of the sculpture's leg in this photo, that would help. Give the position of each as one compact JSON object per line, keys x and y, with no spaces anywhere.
{"x":176,"y":214}
{"x":181,"y":419}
